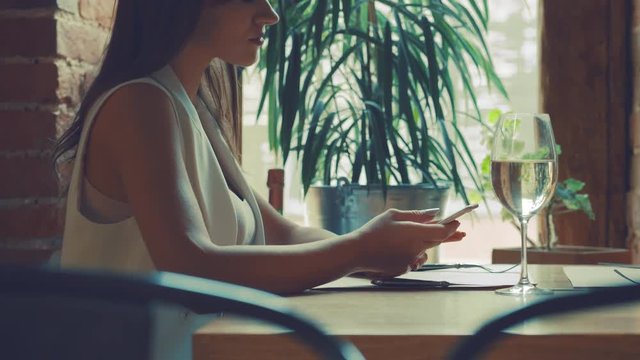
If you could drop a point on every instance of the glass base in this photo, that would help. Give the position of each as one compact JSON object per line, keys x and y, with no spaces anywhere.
{"x":523,"y":289}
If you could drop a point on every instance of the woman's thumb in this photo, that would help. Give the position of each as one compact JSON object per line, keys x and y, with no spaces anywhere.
{"x":419,"y":216}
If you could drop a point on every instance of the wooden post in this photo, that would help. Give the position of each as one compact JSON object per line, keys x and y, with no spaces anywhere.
{"x":585,"y":85}
{"x":275,"y":183}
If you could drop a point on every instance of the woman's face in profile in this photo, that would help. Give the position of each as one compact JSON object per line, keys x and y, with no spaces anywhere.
{"x":233,"y":30}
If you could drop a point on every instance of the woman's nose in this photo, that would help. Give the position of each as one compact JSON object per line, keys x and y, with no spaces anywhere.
{"x":268,"y":16}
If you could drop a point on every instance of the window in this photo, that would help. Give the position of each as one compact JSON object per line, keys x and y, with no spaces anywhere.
{"x":513,"y":42}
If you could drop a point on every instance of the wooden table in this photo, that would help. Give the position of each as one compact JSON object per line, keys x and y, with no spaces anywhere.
{"x":427,"y":324}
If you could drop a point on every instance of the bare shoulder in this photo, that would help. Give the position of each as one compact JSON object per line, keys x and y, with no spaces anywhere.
{"x":133,"y":105}
{"x":135,"y":124}
{"x":134,"y":114}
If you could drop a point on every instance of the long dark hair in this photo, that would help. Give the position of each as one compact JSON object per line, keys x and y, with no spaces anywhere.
{"x":146,"y":35}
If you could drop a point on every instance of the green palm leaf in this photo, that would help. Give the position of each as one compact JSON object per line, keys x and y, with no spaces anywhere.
{"x":381,"y":80}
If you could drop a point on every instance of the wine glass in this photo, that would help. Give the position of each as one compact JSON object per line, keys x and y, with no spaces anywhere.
{"x":524,"y":173}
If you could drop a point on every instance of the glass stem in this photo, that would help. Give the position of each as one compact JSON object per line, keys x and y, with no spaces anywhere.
{"x":524,"y":272}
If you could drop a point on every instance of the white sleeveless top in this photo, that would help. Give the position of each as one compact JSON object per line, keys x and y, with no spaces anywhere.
{"x":100,"y":208}
{"x":118,"y":246}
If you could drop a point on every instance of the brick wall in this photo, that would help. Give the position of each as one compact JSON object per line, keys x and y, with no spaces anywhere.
{"x":48,"y":50}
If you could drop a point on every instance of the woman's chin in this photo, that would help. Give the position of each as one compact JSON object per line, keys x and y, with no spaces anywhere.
{"x":248,"y":62}
{"x":244,"y":61}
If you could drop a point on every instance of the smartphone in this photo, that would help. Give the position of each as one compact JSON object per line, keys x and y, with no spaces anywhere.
{"x":458,"y":213}
{"x":401,"y":283}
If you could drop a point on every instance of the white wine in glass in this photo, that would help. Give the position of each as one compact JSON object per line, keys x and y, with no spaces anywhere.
{"x":524,"y":173}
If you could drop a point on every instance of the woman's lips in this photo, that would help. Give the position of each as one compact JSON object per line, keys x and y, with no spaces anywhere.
{"x":258,"y":40}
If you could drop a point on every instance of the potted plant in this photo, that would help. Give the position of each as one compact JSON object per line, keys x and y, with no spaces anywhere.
{"x":568,"y":197}
{"x":364,"y":93}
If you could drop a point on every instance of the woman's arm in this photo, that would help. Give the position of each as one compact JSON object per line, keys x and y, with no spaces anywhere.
{"x":281,"y":231}
{"x":145,"y":146}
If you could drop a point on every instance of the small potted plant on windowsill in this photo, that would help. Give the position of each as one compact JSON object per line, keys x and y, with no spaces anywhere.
{"x":365,"y":93}
{"x":568,"y":198}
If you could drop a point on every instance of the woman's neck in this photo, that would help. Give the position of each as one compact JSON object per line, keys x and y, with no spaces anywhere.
{"x":189,"y":71}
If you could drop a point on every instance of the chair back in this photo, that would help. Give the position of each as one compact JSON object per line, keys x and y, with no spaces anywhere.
{"x":69,"y":314}
{"x":58,"y":327}
{"x":487,"y":336}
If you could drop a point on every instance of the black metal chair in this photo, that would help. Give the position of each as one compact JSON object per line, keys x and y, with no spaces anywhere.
{"x":487,"y":336}
{"x":63,"y":314}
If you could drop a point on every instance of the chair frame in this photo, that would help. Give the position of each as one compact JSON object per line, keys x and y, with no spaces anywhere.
{"x":473,"y":346}
{"x":196,"y":294}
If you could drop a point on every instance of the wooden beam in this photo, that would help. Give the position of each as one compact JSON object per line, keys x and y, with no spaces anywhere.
{"x":585,"y":71}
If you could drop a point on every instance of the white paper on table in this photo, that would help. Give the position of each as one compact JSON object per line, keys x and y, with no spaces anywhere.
{"x":459,"y":278}
{"x":600,"y":276}
{"x":471,"y":278}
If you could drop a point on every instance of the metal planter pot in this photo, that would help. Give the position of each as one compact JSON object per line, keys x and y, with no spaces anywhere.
{"x":344,"y":208}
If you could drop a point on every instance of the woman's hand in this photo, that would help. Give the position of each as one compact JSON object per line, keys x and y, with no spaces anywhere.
{"x":395,"y":241}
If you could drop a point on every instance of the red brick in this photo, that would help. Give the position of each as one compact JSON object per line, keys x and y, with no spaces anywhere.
{"x":27,"y":130}
{"x":31,"y":221}
{"x":26,"y":4}
{"x":80,"y":41}
{"x":68,"y":5}
{"x":27,"y":177}
{"x":97,"y":10}
{"x":28,"y":37}
{"x":42,"y":83}
{"x":31,"y":257}
{"x":28,"y":82}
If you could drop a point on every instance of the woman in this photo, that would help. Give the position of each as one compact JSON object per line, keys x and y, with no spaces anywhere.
{"x":155,"y":185}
